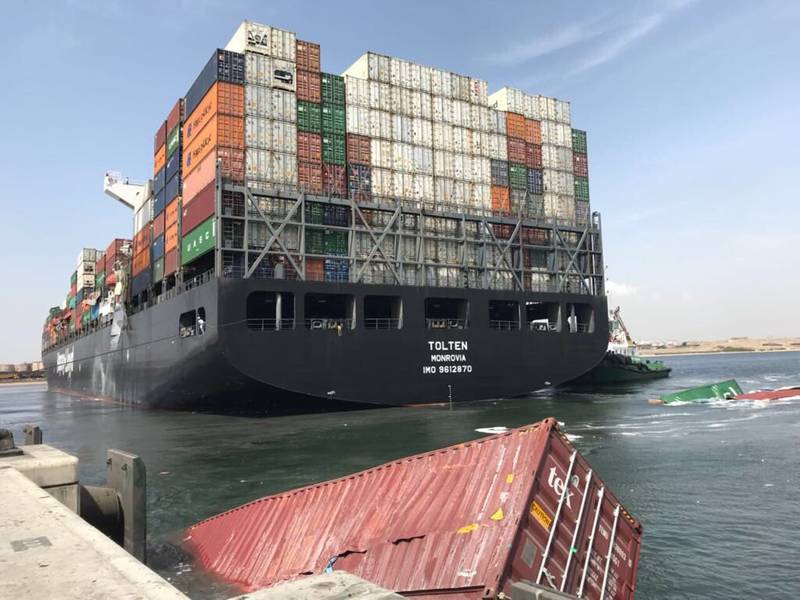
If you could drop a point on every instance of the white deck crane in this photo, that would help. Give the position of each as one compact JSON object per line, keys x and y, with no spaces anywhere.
{"x":124,"y":191}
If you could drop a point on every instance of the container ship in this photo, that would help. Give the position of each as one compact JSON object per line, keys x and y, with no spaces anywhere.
{"x":393,"y":235}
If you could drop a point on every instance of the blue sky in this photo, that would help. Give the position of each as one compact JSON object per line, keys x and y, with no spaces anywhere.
{"x":691,"y":109}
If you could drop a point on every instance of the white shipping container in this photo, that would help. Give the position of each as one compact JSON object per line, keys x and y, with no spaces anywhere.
{"x":284,"y":106}
{"x":556,"y":157}
{"x":394,"y":71}
{"x":357,"y":91}
{"x":258,"y":164}
{"x":251,"y":37}
{"x":357,"y":120}
{"x":380,"y":124}
{"x":361,"y":68}
{"x":381,"y":153}
{"x":143,"y":216}
{"x":559,"y":182}
{"x":268,"y":134}
{"x":85,"y":282}
{"x":88,"y":255}
{"x":284,"y":168}
{"x":425,"y":78}
{"x":283,"y":44}
{"x":496,"y":121}
{"x":562,"y":112}
{"x":498,"y":146}
{"x":284,"y":75}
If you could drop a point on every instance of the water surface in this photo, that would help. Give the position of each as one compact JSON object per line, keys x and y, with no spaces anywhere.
{"x":716,"y":485}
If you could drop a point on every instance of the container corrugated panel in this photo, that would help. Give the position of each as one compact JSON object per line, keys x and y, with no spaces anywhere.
{"x":308,"y":86}
{"x":199,"y":178}
{"x":222,"y":66}
{"x":171,"y":262}
{"x":333,"y":149}
{"x":160,"y":137}
{"x":465,"y":522}
{"x":334,"y":180}
{"x":140,"y":282}
{"x":309,"y":116}
{"x":199,"y":209}
{"x":171,"y":238}
{"x":159,"y":225}
{"x":359,"y":182}
{"x":579,"y":141}
{"x":580,"y":164}
{"x":159,"y":180}
{"x":358,"y":149}
{"x":158,"y":270}
{"x":333,"y":119}
{"x":310,"y":176}
{"x":307,"y":55}
{"x":200,"y":240}
{"x":159,"y":159}
{"x":500,"y":199}
{"x":333,"y":91}
{"x":174,"y":117}
{"x":309,"y":146}
{"x":157,"y":249}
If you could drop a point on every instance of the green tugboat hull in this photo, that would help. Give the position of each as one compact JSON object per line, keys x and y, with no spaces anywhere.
{"x":617,"y":369}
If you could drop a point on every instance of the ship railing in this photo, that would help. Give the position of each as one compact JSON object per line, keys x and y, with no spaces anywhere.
{"x":198,"y":280}
{"x":503,"y":325}
{"x":329,"y":324}
{"x":270,"y":324}
{"x":446,"y":323}
{"x":382,"y":323}
{"x":580,"y":328}
{"x":543,"y":326}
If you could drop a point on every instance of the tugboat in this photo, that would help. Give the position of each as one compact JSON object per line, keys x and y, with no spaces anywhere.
{"x":621,"y":364}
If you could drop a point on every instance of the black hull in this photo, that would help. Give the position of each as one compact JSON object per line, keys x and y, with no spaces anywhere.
{"x":299,"y":370}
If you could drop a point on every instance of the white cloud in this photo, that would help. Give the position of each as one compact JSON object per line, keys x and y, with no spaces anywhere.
{"x":620,"y":290}
{"x":570,"y":35}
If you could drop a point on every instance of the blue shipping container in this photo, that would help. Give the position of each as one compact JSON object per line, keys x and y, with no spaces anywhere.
{"x":173,"y":188}
{"x":158,"y":248}
{"x":160,"y":202}
{"x":140,"y":282}
{"x":159,"y":180}
{"x":223,"y":66}
{"x":337,"y":269}
{"x":173,"y":165}
{"x":336,"y":215}
{"x":535,"y":182}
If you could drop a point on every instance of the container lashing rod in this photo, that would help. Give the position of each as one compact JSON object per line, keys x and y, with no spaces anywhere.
{"x":610,"y":552}
{"x":554,"y":525}
{"x":598,"y":510}
{"x":578,"y":522}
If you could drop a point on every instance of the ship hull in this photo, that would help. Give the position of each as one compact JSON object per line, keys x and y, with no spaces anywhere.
{"x":297,"y":369}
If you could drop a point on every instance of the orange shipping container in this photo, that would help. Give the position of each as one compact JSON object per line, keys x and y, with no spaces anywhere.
{"x":142,"y":239}
{"x":171,"y":237}
{"x":222,"y":99}
{"x":533,"y":132}
{"x":500,"y":199}
{"x":222,"y":130}
{"x":231,"y":163}
{"x":160,"y":159}
{"x":141,"y":261}
{"x":199,"y":178}
{"x":173,"y":208}
{"x":158,"y":225}
{"x":515,"y":125}
{"x":315,"y":269}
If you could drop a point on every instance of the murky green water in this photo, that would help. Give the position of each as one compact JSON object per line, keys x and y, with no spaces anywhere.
{"x":717,"y":485}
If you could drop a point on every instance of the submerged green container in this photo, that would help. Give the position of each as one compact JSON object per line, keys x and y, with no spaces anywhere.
{"x":158,"y":270}
{"x":315,"y":241}
{"x":198,"y":241}
{"x":715,"y":391}
{"x":518,"y":176}
{"x":335,"y":242}
{"x":333,"y":119}
{"x":315,"y":212}
{"x":579,"y":141}
{"x":333,"y":91}
{"x":333,"y":149}
{"x":582,"y":188}
{"x":309,"y":115}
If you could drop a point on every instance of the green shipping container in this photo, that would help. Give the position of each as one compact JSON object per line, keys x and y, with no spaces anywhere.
{"x":198,"y":241}
{"x":534,"y":205}
{"x":85,"y":318}
{"x":315,"y":241}
{"x":579,"y":141}
{"x":173,"y":140}
{"x":518,"y":176}
{"x":332,"y":89}
{"x":71,"y":303}
{"x":333,"y":119}
{"x":158,"y":270}
{"x":333,"y":149}
{"x":582,"y":188}
{"x":309,"y":116}
{"x":73,"y":279}
{"x":314,"y":213}
{"x":335,"y":242}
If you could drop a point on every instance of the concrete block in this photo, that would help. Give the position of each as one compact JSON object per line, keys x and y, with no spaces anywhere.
{"x":47,"y":551}
{"x":44,"y":465}
{"x":338,"y":585}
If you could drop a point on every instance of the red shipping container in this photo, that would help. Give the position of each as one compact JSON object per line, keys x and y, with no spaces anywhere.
{"x":580,"y":164}
{"x":171,"y":262}
{"x":196,"y":181}
{"x":231,"y":163}
{"x":160,"y":137}
{"x":515,"y":125}
{"x":462,"y":522}
{"x":359,"y":149}
{"x":309,"y":147}
{"x":171,"y":214}
{"x":516,"y":150}
{"x":334,"y":180}
{"x":174,"y":117}
{"x":309,"y":87}
{"x":141,"y":261}
{"x":533,"y":156}
{"x":307,"y":55}
{"x":100,"y":264}
{"x":199,"y":209}
{"x":158,"y":225}
{"x":315,"y":269}
{"x":310,"y":176}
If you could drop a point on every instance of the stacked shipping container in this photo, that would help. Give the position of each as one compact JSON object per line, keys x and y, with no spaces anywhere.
{"x":309,"y":117}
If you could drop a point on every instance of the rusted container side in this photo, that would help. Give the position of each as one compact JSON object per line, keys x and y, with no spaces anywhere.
{"x":310,"y":176}
{"x":307,"y":55}
{"x":462,"y":522}
{"x":309,"y":147}
{"x":334,"y":181}
{"x":309,"y":87}
{"x":359,"y":149}
{"x":516,"y":150}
